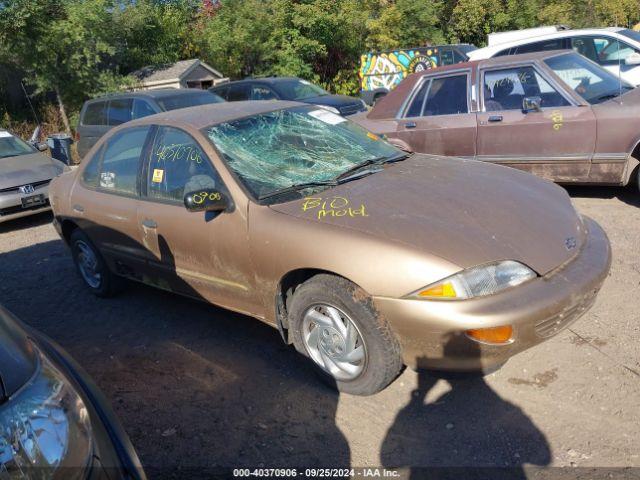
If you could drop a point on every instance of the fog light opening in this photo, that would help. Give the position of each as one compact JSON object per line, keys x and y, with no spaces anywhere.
{"x":494,"y":336}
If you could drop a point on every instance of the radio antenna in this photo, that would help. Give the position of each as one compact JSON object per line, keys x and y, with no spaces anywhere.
{"x":33,"y":110}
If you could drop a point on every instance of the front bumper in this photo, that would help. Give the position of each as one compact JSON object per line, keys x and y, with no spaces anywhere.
{"x":432,"y":332}
{"x":11,"y":204}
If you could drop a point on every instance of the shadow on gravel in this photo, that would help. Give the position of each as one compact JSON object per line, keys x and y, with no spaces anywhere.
{"x":196,"y":387}
{"x":26,"y":222}
{"x":628,"y":194}
{"x":468,"y":432}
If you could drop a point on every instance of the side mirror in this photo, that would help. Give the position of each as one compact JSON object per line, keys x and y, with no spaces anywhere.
{"x":42,"y":147}
{"x":531,"y":104}
{"x":206,"y":200}
{"x":633,"y":59}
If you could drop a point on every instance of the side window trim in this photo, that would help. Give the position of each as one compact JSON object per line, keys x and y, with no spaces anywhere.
{"x":551,"y":81}
{"x":147,"y":157}
{"x":431,"y":78}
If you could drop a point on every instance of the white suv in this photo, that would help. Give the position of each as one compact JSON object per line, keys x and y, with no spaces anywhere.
{"x":616,"y":49}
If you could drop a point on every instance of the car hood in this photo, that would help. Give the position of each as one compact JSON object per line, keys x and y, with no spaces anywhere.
{"x":17,"y":357}
{"x":24,"y":169}
{"x":466,"y":212}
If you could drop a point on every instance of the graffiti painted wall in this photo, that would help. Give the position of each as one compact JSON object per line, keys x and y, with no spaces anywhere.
{"x":387,"y":70}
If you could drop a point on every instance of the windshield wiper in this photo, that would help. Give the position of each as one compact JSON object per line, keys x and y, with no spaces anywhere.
{"x":297,"y":187}
{"x":372,"y":161}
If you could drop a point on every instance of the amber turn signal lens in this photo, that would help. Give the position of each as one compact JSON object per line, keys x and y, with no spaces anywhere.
{"x":496,"y":335}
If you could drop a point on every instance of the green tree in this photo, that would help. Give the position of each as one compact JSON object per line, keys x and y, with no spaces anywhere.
{"x":63,"y":46}
{"x":407,"y":23}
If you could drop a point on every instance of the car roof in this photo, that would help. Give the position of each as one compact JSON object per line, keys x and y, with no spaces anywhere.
{"x":155,"y":94}
{"x":257,"y":79}
{"x":212,"y":114}
{"x":388,"y":106}
{"x":498,"y":47}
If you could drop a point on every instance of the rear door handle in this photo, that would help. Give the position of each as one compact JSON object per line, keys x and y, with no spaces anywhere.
{"x":410,"y":125}
{"x":495,"y":118}
{"x":78,"y":208}
{"x":149,"y":223}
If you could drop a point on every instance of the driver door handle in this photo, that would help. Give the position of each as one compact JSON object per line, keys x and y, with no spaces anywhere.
{"x":410,"y":125}
{"x":149,"y":223}
{"x":495,"y":118}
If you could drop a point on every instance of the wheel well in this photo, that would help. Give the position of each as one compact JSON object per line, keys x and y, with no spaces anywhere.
{"x":286,"y":287}
{"x":635,"y":165}
{"x":67,"y":229}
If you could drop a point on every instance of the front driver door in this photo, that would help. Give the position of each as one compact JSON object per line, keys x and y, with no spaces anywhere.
{"x":192,"y":253}
{"x":556,"y":143}
{"x":437,"y":119}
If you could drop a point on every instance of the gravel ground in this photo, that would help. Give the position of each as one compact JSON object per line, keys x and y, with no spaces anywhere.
{"x":199,"y":386}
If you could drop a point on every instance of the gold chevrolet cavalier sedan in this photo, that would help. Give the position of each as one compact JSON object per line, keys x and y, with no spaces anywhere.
{"x":364,"y":257}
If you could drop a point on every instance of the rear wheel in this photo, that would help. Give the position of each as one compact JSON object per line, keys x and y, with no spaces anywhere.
{"x":92,"y":268}
{"x":335,"y":325}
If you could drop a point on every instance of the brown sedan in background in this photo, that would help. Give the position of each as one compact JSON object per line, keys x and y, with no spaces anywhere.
{"x":364,"y":257}
{"x":554,"y":114}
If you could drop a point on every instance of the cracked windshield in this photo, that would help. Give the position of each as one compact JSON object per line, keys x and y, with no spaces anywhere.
{"x":294,"y":147}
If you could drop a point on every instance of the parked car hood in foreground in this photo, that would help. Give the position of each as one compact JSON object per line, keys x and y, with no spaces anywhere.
{"x":464,"y":211}
{"x":23,"y":169}
{"x":17,"y":357}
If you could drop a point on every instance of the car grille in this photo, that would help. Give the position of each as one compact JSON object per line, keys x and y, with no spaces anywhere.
{"x":553,"y":325}
{"x":16,"y":189}
{"x":18,"y":208}
{"x":351,"y":109}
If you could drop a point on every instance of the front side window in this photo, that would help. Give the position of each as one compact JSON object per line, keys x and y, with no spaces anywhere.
{"x":191,"y":99}
{"x":121,"y":160}
{"x":613,"y":52}
{"x":11,"y":146}
{"x":592,"y":82}
{"x":296,"y":89}
{"x":120,"y":111}
{"x":275,"y":150}
{"x":178,"y":166}
{"x":506,"y":89}
{"x":441,"y":96}
{"x":95,"y":114}
{"x":260,"y":92}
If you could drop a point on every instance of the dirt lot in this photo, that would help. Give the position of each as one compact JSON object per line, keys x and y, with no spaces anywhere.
{"x":199,"y":386}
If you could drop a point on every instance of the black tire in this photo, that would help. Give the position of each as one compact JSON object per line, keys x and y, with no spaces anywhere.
{"x":109,"y":283}
{"x":383,"y":361}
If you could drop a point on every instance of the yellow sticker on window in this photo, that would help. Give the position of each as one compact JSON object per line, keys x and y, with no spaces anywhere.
{"x":372,"y":136}
{"x":158,"y":175}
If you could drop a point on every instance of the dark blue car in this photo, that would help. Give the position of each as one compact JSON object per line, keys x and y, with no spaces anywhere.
{"x":288,"y":88}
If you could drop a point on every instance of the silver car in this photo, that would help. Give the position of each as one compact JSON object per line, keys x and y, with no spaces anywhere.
{"x":25,"y":174}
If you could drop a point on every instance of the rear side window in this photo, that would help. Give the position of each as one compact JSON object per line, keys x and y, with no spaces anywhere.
{"x":120,"y":111}
{"x":178,"y":166}
{"x":553,"y":44}
{"x":91,"y":172}
{"x":238,"y":92}
{"x":121,"y":160}
{"x":441,"y":96}
{"x":95,"y":114}
{"x":141,"y":108}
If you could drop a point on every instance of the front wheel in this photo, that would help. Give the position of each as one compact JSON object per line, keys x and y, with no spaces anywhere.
{"x":335,"y":324}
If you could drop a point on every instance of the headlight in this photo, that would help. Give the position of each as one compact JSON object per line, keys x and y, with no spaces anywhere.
{"x":477,"y":281}
{"x":331,"y":109}
{"x":45,"y":427}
